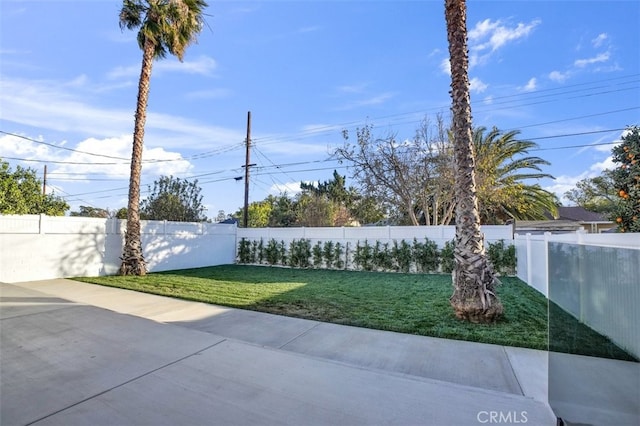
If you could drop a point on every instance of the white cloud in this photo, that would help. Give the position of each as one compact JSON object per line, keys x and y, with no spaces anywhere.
{"x":602,"y":57}
{"x":370,"y":101}
{"x":12,"y":146}
{"x":565,"y":183}
{"x":599,"y":41}
{"x":52,"y":105}
{"x":496,"y":34}
{"x":445,"y":66}
{"x":130,"y":71}
{"x":434,"y":52}
{"x":477,"y":86}
{"x":597,"y":168}
{"x":558,"y":76}
{"x":531,"y":85}
{"x":203,"y":65}
{"x":488,"y":36}
{"x":290,"y":188}
{"x":82,"y":163}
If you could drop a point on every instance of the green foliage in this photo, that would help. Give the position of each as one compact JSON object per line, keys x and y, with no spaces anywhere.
{"x":121,"y":213}
{"x":299,"y":253}
{"x":174,"y":199}
{"x":338,"y":252}
{"x":244,"y":251}
{"x":169,"y":26}
{"x":328,"y":253}
{"x":405,"y":303}
{"x":21,"y":193}
{"x":502,"y":257}
{"x":402,"y":256}
{"x":274,"y":252}
{"x":363,"y":256}
{"x":447,"y":260}
{"x":315,"y":210}
{"x":260,"y":252}
{"x":282,"y":212}
{"x":421,"y":257}
{"x":254,"y":251}
{"x":317,"y":254}
{"x":347,"y":204}
{"x":596,"y":194}
{"x":426,"y":255}
{"x":418,"y":178}
{"x":88,"y":211}
{"x":626,"y":177}
{"x":502,"y":167}
{"x":382,"y":258}
{"x":283,"y":253}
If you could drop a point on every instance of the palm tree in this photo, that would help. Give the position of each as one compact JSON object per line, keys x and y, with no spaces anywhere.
{"x":502,"y":164}
{"x":474,"y":298}
{"x":165,"y":26}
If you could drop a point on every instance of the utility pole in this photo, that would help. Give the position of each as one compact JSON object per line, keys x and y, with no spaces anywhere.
{"x":44,"y":181}
{"x":245,"y":218}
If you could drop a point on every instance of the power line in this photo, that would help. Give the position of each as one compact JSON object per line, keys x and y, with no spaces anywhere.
{"x":316,"y":132}
{"x":490,"y":107}
{"x":575,"y":134}
{"x":198,"y":156}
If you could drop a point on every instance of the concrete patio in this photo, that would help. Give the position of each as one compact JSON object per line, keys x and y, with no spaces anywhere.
{"x":79,"y":354}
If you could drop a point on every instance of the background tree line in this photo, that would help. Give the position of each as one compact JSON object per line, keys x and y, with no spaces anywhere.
{"x":616,"y":192}
{"x":410,"y":182}
{"x":416,"y":187}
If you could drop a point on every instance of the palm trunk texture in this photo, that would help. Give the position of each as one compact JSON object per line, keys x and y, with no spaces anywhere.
{"x":132,"y":258}
{"x":474,"y":298}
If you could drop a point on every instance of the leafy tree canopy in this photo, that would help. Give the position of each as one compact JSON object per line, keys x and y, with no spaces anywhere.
{"x":328,"y":203}
{"x":21,"y":193}
{"x":174,"y":199}
{"x":88,"y":211}
{"x":414,"y":178}
{"x":626,"y":179}
{"x":597,"y":194}
{"x":503,"y":172}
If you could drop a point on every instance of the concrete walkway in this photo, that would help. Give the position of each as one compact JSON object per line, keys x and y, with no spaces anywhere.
{"x":81,"y":354}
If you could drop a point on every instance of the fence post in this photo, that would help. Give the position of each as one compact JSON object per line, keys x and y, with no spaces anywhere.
{"x":41,"y":223}
{"x":546,"y":262}
{"x":529,"y":259}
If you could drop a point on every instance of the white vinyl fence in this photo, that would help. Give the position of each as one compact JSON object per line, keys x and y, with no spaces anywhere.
{"x":385,"y":234}
{"x":594,"y":277}
{"x":41,"y":247}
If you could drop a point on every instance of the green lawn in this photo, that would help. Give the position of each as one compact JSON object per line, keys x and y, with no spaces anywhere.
{"x":406,"y":303}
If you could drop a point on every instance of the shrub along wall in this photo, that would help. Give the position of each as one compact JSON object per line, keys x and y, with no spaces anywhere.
{"x":397,"y":256}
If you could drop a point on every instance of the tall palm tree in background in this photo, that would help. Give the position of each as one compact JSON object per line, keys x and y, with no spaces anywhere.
{"x":474,"y":298}
{"x":502,"y":165}
{"x":165,"y":26}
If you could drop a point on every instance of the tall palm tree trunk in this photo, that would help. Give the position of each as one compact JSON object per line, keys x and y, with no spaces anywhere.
{"x":474,"y":297}
{"x":132,"y":258}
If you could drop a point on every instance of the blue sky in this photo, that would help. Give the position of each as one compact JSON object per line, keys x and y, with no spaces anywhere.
{"x":306,"y":70}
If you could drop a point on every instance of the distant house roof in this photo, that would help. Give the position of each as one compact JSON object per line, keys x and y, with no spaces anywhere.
{"x":553,"y":226}
{"x":579,"y":214}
